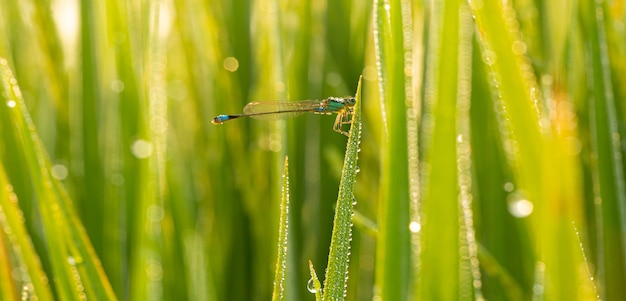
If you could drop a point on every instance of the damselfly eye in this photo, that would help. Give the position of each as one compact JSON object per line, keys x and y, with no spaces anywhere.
{"x":350,"y":100}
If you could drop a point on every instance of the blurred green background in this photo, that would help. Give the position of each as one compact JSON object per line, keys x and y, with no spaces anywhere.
{"x":491,"y":162}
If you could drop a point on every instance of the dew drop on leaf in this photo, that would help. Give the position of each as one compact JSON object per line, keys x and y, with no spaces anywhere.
{"x":310,"y":286}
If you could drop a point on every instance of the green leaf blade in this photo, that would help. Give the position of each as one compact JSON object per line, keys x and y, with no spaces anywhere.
{"x":447,"y":233}
{"x":317,"y":286}
{"x":339,"y":256}
{"x":281,"y":262}
{"x":393,"y":260}
{"x":11,"y":219}
{"x":511,"y":77}
{"x":607,"y":150}
{"x":75,"y":267}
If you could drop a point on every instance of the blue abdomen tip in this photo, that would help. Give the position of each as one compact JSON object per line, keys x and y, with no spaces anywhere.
{"x":220,"y":119}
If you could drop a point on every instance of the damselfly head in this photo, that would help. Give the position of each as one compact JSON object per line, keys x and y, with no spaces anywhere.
{"x":350,"y":100}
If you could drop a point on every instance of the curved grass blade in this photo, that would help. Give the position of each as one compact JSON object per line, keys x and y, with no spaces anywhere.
{"x":314,"y":284}
{"x":17,"y":242}
{"x":76,"y":269}
{"x":281,"y":262}
{"x":8,"y":289}
{"x":338,"y":258}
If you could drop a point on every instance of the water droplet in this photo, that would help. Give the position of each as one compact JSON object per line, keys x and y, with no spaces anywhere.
{"x":370,"y":73}
{"x":538,"y":289}
{"x":117,"y":86}
{"x":26,"y":292}
{"x":415,"y":227}
{"x":158,"y":124}
{"x":231,"y":64}
{"x":310,"y":286}
{"x":597,"y":200}
{"x":519,"y":48}
{"x":489,"y":57}
{"x":11,"y":103}
{"x":274,"y":141}
{"x":508,"y":187}
{"x":141,"y":149}
{"x":519,"y":206}
{"x":74,"y":260}
{"x":154,"y":271}
{"x":59,"y":171}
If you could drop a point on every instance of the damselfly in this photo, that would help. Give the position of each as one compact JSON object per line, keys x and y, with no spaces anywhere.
{"x":343,"y":106}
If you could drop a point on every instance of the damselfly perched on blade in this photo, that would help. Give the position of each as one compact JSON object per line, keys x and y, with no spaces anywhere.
{"x":343,"y":106}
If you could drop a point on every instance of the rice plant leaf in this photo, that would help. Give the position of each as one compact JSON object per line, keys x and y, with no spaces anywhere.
{"x":519,"y":112}
{"x":533,"y":153}
{"x":446,"y":183}
{"x":393,"y":240}
{"x":492,"y":174}
{"x":511,"y":76}
{"x":150,"y":250}
{"x":281,"y":262}
{"x":16,"y":241}
{"x":607,"y":151}
{"x":339,"y":255}
{"x":492,"y":267}
{"x":314,"y":284}
{"x":75,"y":267}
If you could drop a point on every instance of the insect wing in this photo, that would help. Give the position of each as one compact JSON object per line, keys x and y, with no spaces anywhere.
{"x":273,"y":110}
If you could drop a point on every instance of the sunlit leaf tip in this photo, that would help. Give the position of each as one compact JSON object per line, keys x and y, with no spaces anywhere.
{"x":314,"y":286}
{"x":281,"y":262}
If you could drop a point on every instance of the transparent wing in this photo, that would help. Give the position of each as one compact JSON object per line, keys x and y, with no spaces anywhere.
{"x":273,"y":110}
